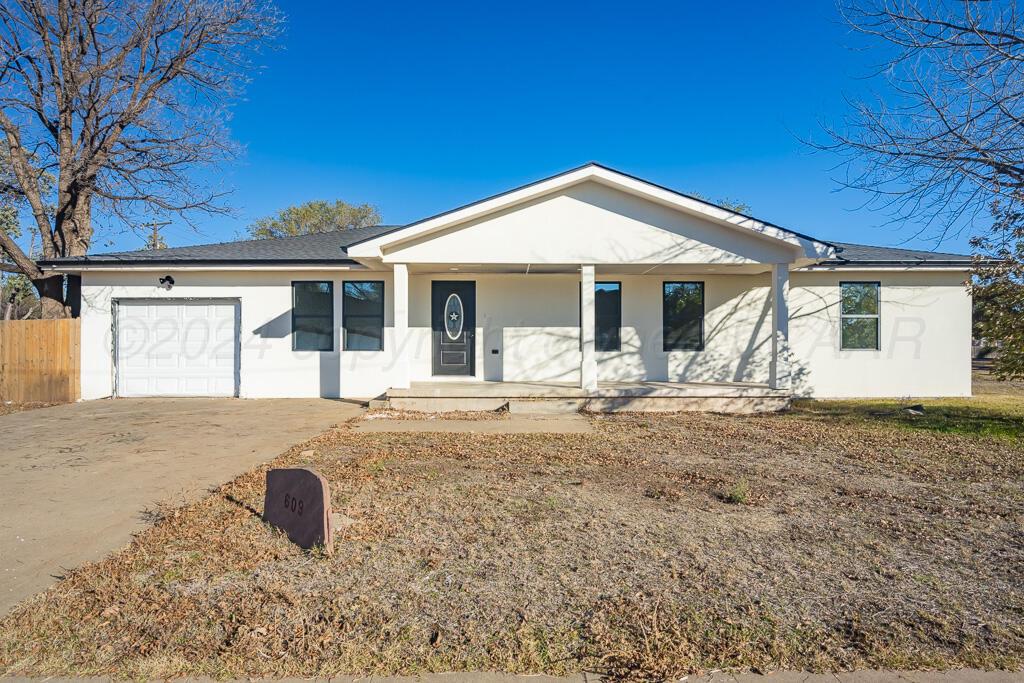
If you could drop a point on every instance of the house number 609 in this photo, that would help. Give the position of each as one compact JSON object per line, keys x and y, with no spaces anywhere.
{"x":293,"y":504}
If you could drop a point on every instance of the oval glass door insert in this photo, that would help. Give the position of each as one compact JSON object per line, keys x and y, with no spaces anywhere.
{"x":453,"y":316}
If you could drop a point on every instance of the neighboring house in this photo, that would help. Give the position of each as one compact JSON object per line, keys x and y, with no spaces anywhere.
{"x":661,"y":287}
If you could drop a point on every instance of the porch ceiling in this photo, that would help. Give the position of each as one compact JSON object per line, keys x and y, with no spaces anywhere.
{"x":601,"y":269}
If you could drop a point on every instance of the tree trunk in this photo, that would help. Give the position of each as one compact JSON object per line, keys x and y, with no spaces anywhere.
{"x":71,"y":238}
{"x":73,"y":295}
{"x":51,"y":296}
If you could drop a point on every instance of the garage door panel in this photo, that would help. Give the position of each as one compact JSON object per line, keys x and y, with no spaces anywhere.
{"x":177,"y":348}
{"x":165,"y":386}
{"x":135,"y":332}
{"x":163,"y":360}
{"x":134,"y":360}
{"x":197,"y":312}
{"x":200,"y":386}
{"x":135,"y":387}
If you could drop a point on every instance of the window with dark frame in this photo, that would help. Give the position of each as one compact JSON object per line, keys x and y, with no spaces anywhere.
{"x":362,"y":315}
{"x":607,"y":316}
{"x":313,"y":316}
{"x":858,"y":316}
{"x":682,"y":316}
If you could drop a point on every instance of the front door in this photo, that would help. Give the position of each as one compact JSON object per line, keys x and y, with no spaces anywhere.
{"x":453,"y":321}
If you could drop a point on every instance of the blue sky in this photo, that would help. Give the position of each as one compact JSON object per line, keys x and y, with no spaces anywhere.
{"x":420,"y":107}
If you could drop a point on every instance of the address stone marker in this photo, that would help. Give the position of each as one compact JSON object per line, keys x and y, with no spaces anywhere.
{"x":298,"y":501}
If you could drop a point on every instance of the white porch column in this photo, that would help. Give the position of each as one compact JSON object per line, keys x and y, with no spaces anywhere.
{"x":779,"y":375}
{"x":400,"y":289}
{"x":588,"y":362}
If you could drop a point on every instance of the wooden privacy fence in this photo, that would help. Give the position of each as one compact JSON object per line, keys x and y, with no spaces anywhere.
{"x":39,"y":360}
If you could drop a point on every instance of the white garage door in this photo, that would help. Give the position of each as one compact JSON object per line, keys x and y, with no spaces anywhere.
{"x":177,"y":348}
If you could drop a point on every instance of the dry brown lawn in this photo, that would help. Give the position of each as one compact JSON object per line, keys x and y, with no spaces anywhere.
{"x":9,"y":407}
{"x":824,"y":539}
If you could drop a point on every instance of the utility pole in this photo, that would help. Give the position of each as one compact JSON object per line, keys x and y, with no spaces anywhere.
{"x":155,"y":242}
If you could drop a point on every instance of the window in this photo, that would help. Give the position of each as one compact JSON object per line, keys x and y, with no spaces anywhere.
{"x":312,"y":316}
{"x":362,"y":311}
{"x":858,"y":315}
{"x":682,"y":316}
{"x":607,"y":315}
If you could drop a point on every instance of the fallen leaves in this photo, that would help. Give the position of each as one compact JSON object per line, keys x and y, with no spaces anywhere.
{"x":860,"y":544}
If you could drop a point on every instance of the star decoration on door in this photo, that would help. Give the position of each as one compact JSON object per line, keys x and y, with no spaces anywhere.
{"x":453,"y":317}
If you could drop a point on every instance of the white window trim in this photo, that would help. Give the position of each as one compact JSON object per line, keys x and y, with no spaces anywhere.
{"x":862,"y":316}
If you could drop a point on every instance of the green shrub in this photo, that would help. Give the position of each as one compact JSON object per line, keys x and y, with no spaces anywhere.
{"x":738,"y":493}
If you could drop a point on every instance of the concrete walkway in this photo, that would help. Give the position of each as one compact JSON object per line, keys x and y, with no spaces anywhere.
{"x":964,"y":676}
{"x":79,"y":479}
{"x":571,"y":423}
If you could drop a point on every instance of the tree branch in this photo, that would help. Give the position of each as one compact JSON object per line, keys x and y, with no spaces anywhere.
{"x":948,"y":137}
{"x":22,"y":262}
{"x":22,"y":167}
{"x":121,"y":102}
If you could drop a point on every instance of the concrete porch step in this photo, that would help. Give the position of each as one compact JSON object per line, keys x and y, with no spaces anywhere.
{"x":444,"y":404}
{"x":556,"y":406}
{"x":562,"y":397}
{"x":546,"y":406}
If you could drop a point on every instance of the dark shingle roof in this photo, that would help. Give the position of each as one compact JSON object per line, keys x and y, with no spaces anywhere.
{"x":326,"y":248}
{"x":862,"y":254}
{"x":330,"y":248}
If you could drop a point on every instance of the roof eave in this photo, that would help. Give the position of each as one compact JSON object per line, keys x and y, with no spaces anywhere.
{"x":897,"y":263}
{"x":255,"y":264}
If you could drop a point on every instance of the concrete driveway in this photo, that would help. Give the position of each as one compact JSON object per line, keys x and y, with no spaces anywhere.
{"x":78,"y":479}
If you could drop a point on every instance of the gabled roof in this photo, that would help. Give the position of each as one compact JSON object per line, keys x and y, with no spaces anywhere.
{"x":326,"y":248}
{"x":330,"y":248}
{"x":371,"y":247}
{"x":334,"y":248}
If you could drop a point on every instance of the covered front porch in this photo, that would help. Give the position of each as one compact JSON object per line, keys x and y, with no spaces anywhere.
{"x":594,"y":289}
{"x":527,"y":397}
{"x":537,"y":333}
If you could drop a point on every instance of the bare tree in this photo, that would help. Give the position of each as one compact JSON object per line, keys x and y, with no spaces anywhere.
{"x":119,"y":101}
{"x":945,"y":138}
{"x":944,"y":146}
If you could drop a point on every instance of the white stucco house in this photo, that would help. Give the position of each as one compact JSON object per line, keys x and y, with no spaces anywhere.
{"x":591,"y":285}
